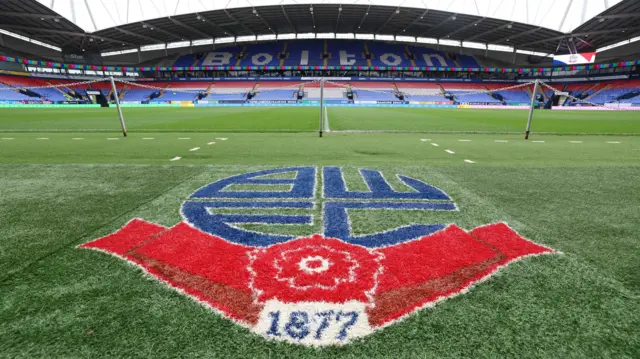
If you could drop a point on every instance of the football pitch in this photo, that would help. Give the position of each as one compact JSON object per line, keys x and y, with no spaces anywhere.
{"x":68,"y":177}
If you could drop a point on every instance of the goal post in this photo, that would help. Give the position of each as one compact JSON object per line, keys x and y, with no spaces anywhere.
{"x":115,"y":96}
{"x":533,"y":103}
{"x":322,"y":109}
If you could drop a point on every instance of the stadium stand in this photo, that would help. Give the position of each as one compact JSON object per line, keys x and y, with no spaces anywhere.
{"x":326,"y":53}
{"x":430,"y":92}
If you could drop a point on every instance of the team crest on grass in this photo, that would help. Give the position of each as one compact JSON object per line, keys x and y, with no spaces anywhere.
{"x":322,"y":289}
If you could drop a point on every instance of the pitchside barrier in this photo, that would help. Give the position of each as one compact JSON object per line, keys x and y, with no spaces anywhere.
{"x":536,"y":89}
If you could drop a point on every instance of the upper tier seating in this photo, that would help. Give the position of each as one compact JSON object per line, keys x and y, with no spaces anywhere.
{"x":338,"y":53}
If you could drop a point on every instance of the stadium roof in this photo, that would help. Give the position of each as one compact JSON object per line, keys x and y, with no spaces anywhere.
{"x":547,"y":26}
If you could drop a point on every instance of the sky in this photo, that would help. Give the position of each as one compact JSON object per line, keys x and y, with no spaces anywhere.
{"x":546,"y":13}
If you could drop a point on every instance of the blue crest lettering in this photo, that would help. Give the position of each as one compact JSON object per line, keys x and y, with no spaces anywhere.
{"x":199,"y":209}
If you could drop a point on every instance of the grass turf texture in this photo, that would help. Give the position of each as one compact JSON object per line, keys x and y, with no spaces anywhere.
{"x":579,"y":198}
{"x":306,"y":119}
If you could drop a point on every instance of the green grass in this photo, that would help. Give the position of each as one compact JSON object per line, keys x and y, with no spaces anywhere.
{"x":582,"y":198}
{"x":163,"y":119}
{"x":306,"y":119}
{"x":489,"y":121}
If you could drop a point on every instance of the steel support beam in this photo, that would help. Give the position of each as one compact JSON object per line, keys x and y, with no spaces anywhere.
{"x":131,"y":33}
{"x":449,"y":18}
{"x":264,"y":21}
{"x":286,"y":16}
{"x":618,"y":16}
{"x":464,"y":27}
{"x":490,"y":31}
{"x":515,"y":36}
{"x":364,"y":17}
{"x":190,"y":28}
{"x":29,"y":15}
{"x":597,"y":32}
{"x":239,"y":22}
{"x":338,"y":20}
{"x":393,"y":14}
{"x":72,"y":33}
{"x":418,"y":19}
{"x":220,"y":27}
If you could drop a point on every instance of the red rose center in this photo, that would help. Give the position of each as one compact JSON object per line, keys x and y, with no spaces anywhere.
{"x":314,"y":264}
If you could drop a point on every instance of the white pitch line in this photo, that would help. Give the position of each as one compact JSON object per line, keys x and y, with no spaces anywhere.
{"x":222,"y":139}
{"x":42,"y":138}
{"x":502,"y":141}
{"x":112,"y":139}
{"x":77,"y":138}
{"x":175,"y":158}
{"x":464,"y":140}
{"x":194,"y":149}
{"x":184,"y":138}
{"x":211,"y":143}
{"x":575,"y":141}
{"x":326,"y":120}
{"x":435,"y":145}
{"x":537,"y":141}
{"x":450,"y":152}
{"x":7,"y":138}
{"x":469,"y":161}
{"x":425,"y":139}
{"x":147,"y":138}
{"x":613,"y":141}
